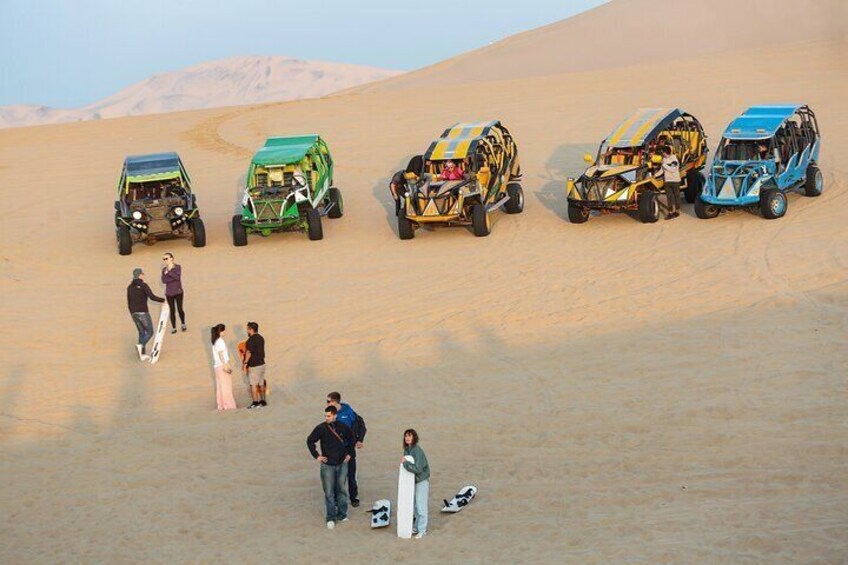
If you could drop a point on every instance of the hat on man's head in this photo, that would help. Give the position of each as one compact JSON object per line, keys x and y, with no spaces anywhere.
{"x":137,"y":272}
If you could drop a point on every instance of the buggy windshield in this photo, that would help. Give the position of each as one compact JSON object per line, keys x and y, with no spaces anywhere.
{"x":745,"y":150}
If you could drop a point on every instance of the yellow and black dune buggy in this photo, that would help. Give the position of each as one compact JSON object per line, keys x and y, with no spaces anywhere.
{"x":465,"y":175}
{"x":624,"y":177}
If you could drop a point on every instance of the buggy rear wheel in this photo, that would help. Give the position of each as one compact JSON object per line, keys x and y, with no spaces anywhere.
{"x":335,"y":198}
{"x":706,"y":211}
{"x":405,"y":228}
{"x":198,"y":233}
{"x":694,"y":185}
{"x":124,"y":240}
{"x":649,"y":207}
{"x":814,"y":184}
{"x":313,"y":224}
{"x":239,"y":232}
{"x":773,"y":204}
{"x":481,"y":223}
{"x":515,"y":204}
{"x":577,"y":214}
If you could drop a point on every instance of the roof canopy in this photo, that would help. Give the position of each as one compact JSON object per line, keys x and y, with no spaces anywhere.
{"x":157,"y":166}
{"x":284,"y":150}
{"x":642,"y":126}
{"x":459,"y":140}
{"x":760,"y":122}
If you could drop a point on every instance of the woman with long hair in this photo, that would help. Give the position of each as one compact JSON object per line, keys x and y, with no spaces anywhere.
{"x":223,"y":371}
{"x":421,"y":469}
{"x":172,"y":278}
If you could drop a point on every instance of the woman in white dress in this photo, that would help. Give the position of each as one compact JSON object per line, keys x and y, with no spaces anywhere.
{"x":223,"y":371}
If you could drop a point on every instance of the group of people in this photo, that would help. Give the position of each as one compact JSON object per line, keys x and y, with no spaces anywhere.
{"x":139,"y":293}
{"x":339,"y":436}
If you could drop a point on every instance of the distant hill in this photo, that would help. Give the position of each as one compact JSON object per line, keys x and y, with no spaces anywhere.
{"x":228,"y":82}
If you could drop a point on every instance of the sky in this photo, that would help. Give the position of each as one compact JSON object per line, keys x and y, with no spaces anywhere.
{"x":68,"y":53}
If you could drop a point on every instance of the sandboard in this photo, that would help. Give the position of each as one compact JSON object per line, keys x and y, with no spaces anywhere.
{"x":405,"y":501}
{"x":461,"y":500}
{"x":381,"y":513}
{"x":159,"y":334}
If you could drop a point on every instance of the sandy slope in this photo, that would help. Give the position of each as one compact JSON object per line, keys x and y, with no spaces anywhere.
{"x":619,"y":392}
{"x":228,"y":82}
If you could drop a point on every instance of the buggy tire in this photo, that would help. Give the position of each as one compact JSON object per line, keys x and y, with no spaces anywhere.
{"x":773,"y":204}
{"x":515,"y":204}
{"x":313,"y":225}
{"x":124,"y":240}
{"x":649,"y":207}
{"x":705,"y":210}
{"x":481,"y":223}
{"x":239,"y":232}
{"x":335,"y":199}
{"x":405,"y":228}
{"x":198,"y":233}
{"x":814,"y":184}
{"x":577,"y":214}
{"x":694,"y":185}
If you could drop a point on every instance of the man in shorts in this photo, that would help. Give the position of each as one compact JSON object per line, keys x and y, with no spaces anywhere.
{"x":254,"y":365}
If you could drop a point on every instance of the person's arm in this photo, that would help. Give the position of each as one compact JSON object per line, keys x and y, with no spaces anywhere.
{"x":150,"y":294}
{"x":359,"y":430}
{"x":349,"y":441}
{"x":312,"y":440}
{"x":416,"y":466}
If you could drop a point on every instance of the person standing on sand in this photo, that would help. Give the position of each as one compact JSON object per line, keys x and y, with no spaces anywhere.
{"x":138,"y":293}
{"x":421,"y":468}
{"x":671,"y":175}
{"x":172,"y":279}
{"x":336,"y":442}
{"x":254,"y":365}
{"x":223,"y":372}
{"x":354,"y":421}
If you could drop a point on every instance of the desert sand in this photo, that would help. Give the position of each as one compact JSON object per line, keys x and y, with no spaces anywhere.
{"x":619,"y":392}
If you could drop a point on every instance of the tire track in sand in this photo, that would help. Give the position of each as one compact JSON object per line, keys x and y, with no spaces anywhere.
{"x":207,"y":135}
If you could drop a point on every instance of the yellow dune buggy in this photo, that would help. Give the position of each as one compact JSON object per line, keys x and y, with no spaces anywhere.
{"x":624,"y":176}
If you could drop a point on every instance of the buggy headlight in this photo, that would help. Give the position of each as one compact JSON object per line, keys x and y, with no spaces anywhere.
{"x":178,"y":211}
{"x":136,"y":215}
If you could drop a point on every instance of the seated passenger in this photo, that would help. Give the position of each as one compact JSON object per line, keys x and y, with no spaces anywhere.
{"x":452,"y":171}
{"x":762,"y":152}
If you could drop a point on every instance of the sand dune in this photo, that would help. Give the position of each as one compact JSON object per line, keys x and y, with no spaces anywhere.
{"x":619,"y":392}
{"x":229,"y":82}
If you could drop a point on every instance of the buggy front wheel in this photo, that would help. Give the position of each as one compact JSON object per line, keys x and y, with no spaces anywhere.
{"x":694,"y":186}
{"x":706,"y":211}
{"x":313,"y":224}
{"x":124,"y":240}
{"x":481,"y":223}
{"x":649,"y":207}
{"x":239,"y":232}
{"x":198,"y":233}
{"x":577,"y":214}
{"x":773,"y":204}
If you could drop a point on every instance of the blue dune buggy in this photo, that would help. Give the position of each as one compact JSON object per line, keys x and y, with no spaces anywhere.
{"x":764,"y":154}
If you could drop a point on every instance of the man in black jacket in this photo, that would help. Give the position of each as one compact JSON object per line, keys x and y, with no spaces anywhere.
{"x":137,"y":295}
{"x":337,"y":445}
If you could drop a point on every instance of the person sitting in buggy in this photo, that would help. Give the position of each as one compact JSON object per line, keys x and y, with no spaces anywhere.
{"x":452,"y":171}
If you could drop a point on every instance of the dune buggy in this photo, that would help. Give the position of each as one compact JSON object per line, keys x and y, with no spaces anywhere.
{"x":289,"y":188}
{"x":624,"y":176}
{"x":764,"y":154}
{"x":464,"y":176}
{"x":155,"y":202}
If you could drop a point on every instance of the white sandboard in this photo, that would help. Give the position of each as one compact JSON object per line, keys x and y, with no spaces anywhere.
{"x":461,"y":500}
{"x":381,"y":513}
{"x":159,"y":335}
{"x":405,"y":501}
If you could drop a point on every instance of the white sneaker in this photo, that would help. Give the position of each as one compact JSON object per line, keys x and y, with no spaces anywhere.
{"x":420,"y":535}
{"x":140,"y":354}
{"x":145,"y":357}
{"x":345,"y":519}
{"x":331,"y":525}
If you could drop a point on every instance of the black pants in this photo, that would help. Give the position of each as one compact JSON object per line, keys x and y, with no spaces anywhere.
{"x":672,"y":191}
{"x":177,"y":300}
{"x":352,"y":487}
